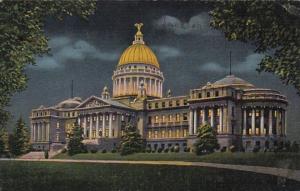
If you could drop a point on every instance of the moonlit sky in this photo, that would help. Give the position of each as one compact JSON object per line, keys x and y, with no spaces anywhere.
{"x":189,"y":51}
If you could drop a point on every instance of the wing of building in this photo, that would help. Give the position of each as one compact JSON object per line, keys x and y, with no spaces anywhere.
{"x":242,"y":114}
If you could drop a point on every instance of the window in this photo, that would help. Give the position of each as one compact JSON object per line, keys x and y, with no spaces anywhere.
{"x":177,"y":117}
{"x":150,"y":106}
{"x":170,"y":118}
{"x":177,"y":102}
{"x":208,"y":94}
{"x":170,"y":104}
{"x":57,"y":137}
{"x":107,"y":117}
{"x":177,"y":133}
{"x":149,"y":119}
{"x":101,"y":117}
{"x":184,"y":132}
{"x":156,"y":105}
{"x":216,"y":93}
{"x":163,"y":104}
{"x":57,"y":125}
{"x":184,"y":116}
{"x":113,"y":117}
{"x":156,"y":119}
{"x":122,"y":118}
{"x":163,"y":134}
{"x":185,"y":102}
{"x":88,"y":119}
{"x":155,"y":134}
{"x":163,"y":118}
{"x":170,"y":133}
{"x":199,"y":95}
{"x":149,"y":134}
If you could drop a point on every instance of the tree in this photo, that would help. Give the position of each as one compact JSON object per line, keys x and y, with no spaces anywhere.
{"x":272,"y":27}
{"x":131,"y":141}
{"x":75,"y":144}
{"x":22,"y":38}
{"x":20,"y":140}
{"x":4,"y":147}
{"x":207,"y":140}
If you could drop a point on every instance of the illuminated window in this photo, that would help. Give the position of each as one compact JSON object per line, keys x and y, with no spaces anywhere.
{"x":209,"y":113}
{"x":184,"y":132}
{"x":122,"y":118}
{"x":57,"y":137}
{"x":88,"y":119}
{"x":177,"y":133}
{"x":155,"y":134}
{"x":106,"y":117}
{"x":163,"y":118}
{"x":257,"y":113}
{"x":170,"y":118}
{"x":156,"y":119}
{"x":113,"y":117}
{"x":57,"y":125}
{"x":101,"y":117}
{"x":163,"y":134}
{"x":218,"y":112}
{"x":177,"y":117}
{"x":185,"y":102}
{"x":106,"y":132}
{"x":149,"y":134}
{"x":170,"y":133}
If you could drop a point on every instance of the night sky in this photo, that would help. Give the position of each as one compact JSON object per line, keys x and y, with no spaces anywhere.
{"x":189,"y":51}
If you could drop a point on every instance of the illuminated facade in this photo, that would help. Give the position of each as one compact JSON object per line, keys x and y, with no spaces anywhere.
{"x":242,"y":114}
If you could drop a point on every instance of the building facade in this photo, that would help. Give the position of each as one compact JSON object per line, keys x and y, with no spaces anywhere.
{"x":242,"y":114}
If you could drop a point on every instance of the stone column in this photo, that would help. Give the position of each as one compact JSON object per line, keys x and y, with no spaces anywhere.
{"x":253,"y":122}
{"x":270,"y":122}
{"x":130,"y":85}
{"x":48,"y":131}
{"x":91,"y":127}
{"x":191,"y":123}
{"x":195,"y":122}
{"x":32,"y":132}
{"x":125,"y":85}
{"x":110,"y":125}
{"x":203,"y":117}
{"x":103,"y":125}
{"x":150,"y":88}
{"x":97,"y":126}
{"x":161,"y":89}
{"x":221,"y":120}
{"x":212,"y":117}
{"x":277,"y":122}
{"x":39,"y":131}
{"x":84,"y":126}
{"x":262,"y":122}
{"x":245,"y":122}
{"x":35,"y":132}
{"x":285,"y":121}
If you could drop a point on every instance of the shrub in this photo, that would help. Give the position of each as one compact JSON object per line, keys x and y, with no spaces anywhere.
{"x":223,"y":149}
{"x":113,"y":151}
{"x":187,"y":149}
{"x":232,"y":148}
{"x":166,"y":150}
{"x":256,"y":149}
{"x":93,"y":150}
{"x":104,"y":151}
{"x":148,"y":150}
{"x":64,"y":150}
{"x":159,"y":150}
{"x":176,"y":149}
{"x":172,"y":149}
{"x":153,"y":151}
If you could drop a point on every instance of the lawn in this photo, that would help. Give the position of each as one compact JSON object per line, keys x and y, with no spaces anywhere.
{"x":282,"y":160}
{"x":42,"y":176}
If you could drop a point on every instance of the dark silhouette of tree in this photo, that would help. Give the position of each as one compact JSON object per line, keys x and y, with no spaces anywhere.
{"x":20,"y":139}
{"x":207,"y":140}
{"x":75,"y":145}
{"x":131,"y":141}
{"x":272,"y":27}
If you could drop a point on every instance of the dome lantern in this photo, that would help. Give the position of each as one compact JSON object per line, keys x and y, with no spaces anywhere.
{"x":138,"y":37}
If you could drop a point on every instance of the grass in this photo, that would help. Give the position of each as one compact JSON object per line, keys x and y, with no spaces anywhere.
{"x":282,"y":160}
{"x":43,"y":176}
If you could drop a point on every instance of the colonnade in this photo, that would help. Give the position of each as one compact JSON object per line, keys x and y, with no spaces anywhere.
{"x":216,"y":117}
{"x":95,"y":123}
{"x":130,"y":86}
{"x":40,"y":132}
{"x":264,"y":121}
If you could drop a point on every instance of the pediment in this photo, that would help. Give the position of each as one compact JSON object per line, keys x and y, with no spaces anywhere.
{"x":93,"y":102}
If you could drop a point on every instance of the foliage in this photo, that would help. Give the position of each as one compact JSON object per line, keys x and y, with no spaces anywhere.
{"x":20,"y":139}
{"x":93,"y":150}
{"x":131,"y":141}
{"x":75,"y":144}
{"x":104,"y":151}
{"x":4,"y":146}
{"x":46,"y":154}
{"x":22,"y":38}
{"x":272,"y":27}
{"x":207,"y":140}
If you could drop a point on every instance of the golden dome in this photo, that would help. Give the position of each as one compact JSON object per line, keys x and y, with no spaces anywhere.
{"x":138,"y":52}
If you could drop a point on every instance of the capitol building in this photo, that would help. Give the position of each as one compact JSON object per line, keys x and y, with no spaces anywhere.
{"x":242,"y":114}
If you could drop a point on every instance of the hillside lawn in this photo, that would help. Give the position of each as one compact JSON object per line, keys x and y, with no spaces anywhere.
{"x":281,"y":160}
{"x":44,"y":176}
